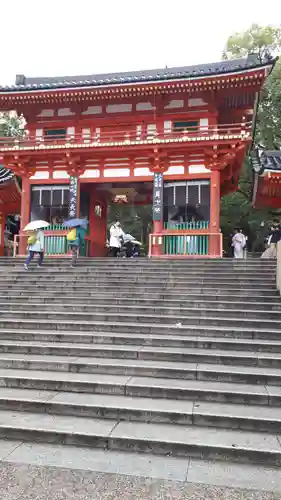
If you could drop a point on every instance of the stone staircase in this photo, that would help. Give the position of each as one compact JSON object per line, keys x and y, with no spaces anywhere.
{"x":178,"y":358}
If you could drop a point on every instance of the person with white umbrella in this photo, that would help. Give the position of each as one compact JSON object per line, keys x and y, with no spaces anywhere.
{"x":35,"y":242}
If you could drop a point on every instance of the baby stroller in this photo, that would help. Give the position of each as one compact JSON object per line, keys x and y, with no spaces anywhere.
{"x":130,"y":247}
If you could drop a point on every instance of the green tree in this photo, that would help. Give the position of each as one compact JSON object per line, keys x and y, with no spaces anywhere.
{"x":236,"y":208}
{"x":260,"y":40}
{"x":12,"y":125}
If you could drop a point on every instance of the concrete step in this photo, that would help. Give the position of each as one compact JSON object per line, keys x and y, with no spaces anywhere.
{"x":75,"y":343}
{"x":130,"y":270}
{"x":149,"y":365}
{"x":130,"y":290}
{"x":105,"y":261}
{"x":161,"y":307}
{"x":141,"y":278}
{"x":148,"y":352}
{"x":162,"y":273}
{"x":125,"y":408}
{"x":207,"y":296}
{"x":182,"y":359}
{"x":141,"y":386}
{"x":161,"y":439}
{"x":15,"y":328}
{"x":85,"y":303}
{"x":175,"y":319}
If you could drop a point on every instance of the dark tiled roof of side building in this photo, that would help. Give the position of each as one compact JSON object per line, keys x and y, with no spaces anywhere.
{"x":5,"y":175}
{"x":271,"y":160}
{"x":266,"y":160}
{"x":46,"y":83}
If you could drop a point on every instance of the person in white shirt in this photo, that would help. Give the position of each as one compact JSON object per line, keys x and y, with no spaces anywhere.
{"x":115,"y":241}
{"x":238,"y":243}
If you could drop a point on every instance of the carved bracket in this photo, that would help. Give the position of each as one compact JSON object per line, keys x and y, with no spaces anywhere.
{"x":159,"y":162}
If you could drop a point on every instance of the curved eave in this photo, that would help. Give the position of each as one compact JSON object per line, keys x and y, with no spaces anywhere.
{"x":5,"y":175}
{"x":247,"y":78}
{"x":10,"y":196}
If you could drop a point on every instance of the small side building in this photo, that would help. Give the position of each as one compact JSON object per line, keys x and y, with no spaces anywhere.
{"x":266,"y":178}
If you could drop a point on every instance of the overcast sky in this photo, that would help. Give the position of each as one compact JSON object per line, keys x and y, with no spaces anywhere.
{"x":68,"y":37}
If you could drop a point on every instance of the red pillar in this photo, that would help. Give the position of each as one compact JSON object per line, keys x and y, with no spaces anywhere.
{"x":98,"y":224}
{"x":24,"y":213}
{"x":156,"y":249}
{"x":214,"y":249}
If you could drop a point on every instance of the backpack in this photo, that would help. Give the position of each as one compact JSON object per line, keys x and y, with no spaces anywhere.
{"x":71,"y":236}
{"x":31,"y":240}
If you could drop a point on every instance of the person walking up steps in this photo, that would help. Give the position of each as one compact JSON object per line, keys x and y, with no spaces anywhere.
{"x":75,"y":239}
{"x":274,"y":238}
{"x":35,"y":246}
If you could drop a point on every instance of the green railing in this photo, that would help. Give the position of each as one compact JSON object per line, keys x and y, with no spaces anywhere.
{"x":185,"y":244}
{"x":55,"y":244}
{"x":58,"y":245}
{"x":185,"y":226}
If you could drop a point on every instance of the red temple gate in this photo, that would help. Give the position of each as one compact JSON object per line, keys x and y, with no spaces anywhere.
{"x":180,"y":125}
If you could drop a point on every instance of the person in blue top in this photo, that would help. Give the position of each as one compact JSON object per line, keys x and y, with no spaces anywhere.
{"x":75,"y":245}
{"x":35,"y":248}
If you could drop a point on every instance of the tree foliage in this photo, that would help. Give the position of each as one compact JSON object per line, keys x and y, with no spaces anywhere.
{"x":236,"y":208}
{"x":12,"y":125}
{"x":260,"y":40}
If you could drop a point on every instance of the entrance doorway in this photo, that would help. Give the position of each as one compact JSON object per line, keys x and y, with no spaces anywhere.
{"x":129,"y":203}
{"x":186,"y":207}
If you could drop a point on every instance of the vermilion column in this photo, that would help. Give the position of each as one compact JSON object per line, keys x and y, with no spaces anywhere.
{"x":25,"y":212}
{"x":215,"y":214}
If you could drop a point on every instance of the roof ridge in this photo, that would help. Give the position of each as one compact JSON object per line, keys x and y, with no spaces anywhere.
{"x":24,"y":83}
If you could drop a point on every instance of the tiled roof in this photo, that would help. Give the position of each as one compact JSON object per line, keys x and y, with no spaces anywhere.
{"x":5,"y":175}
{"x":265,"y":160}
{"x":40,"y":83}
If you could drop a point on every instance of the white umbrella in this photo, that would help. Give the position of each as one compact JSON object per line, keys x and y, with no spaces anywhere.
{"x":37,"y":224}
{"x":129,"y":238}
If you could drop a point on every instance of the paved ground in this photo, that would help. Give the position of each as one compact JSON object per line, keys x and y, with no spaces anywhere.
{"x":30,"y":471}
{"x":21,"y":481}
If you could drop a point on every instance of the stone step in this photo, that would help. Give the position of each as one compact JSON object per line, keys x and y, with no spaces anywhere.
{"x":116,"y":296}
{"x":75,"y":343}
{"x":125,"y":266}
{"x":129,"y":289}
{"x":134,"y":409}
{"x":141,"y":386}
{"x":15,"y":328}
{"x":175,"y":319}
{"x":113,"y":279}
{"x":105,"y":261}
{"x":164,"y":352}
{"x":161,"y":307}
{"x":161,"y":439}
{"x":177,"y":358}
{"x":261,"y":368}
{"x":76,"y":273}
{"x":130,"y":270}
{"x":79,"y":303}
